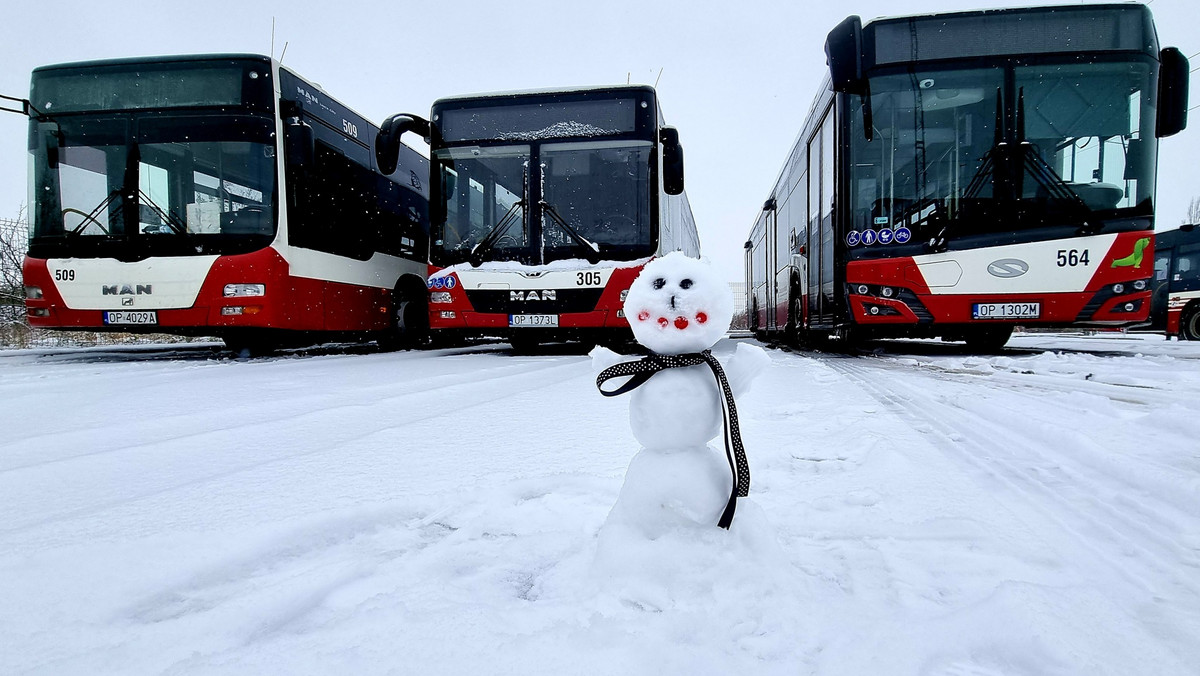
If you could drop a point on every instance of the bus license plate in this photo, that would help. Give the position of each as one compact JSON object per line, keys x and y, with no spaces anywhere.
{"x":1006,"y":311}
{"x":532,"y":320}
{"x":131,"y":317}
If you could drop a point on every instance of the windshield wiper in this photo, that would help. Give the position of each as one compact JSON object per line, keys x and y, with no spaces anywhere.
{"x":1041,"y":171}
{"x":163,"y":216}
{"x":493,"y":236}
{"x":92,"y":216}
{"x":593,"y":250}
{"x":940,"y":242}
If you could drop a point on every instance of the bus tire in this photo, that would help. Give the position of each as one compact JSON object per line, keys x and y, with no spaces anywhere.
{"x":1189,"y":323}
{"x":796,"y":334}
{"x":247,"y":345}
{"x":990,"y":339}
{"x":409,"y":321}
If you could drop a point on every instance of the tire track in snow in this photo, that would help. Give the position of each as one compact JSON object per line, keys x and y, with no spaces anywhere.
{"x":1030,"y":387}
{"x":360,"y":396}
{"x":976,"y":443}
{"x":469,"y":395}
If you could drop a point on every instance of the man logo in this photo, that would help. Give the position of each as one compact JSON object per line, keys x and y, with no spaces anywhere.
{"x":548,"y":294}
{"x":126,"y":290}
{"x":1006,"y":268}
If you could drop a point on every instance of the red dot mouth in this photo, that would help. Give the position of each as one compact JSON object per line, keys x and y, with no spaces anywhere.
{"x":643,"y":316}
{"x":701,"y":317}
{"x":681,"y":323}
{"x":662,"y":321}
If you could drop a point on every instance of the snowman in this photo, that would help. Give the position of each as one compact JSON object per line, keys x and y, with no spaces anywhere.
{"x":682,"y":398}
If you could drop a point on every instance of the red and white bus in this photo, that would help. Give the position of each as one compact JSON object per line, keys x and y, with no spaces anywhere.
{"x":544,"y":206}
{"x":216,"y":195}
{"x":961,"y":174}
{"x":1175,"y":309}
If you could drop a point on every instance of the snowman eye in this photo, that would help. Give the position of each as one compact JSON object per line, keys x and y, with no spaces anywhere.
{"x":659,"y":283}
{"x":685,"y":284}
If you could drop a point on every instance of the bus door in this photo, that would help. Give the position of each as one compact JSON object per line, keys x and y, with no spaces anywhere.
{"x":784,"y":246}
{"x":827,"y":267}
{"x":821,"y":307}
{"x":771,"y":272}
{"x":1161,"y":286}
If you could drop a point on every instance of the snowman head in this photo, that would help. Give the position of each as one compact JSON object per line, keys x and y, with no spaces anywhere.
{"x":678,"y":305}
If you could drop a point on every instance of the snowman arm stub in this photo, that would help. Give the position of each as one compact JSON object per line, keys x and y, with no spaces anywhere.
{"x":747,"y":362}
{"x":602,"y":358}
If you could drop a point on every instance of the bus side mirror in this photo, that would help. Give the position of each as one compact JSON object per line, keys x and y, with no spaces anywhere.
{"x":387,"y":142}
{"x":843,"y":53}
{"x":50,"y":132}
{"x":301,"y":144}
{"x":438,"y":203}
{"x":1172,"y":93}
{"x":25,"y":108}
{"x":672,"y":160}
{"x":1135,"y":156}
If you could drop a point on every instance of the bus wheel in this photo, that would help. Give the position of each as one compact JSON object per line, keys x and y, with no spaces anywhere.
{"x":1189,"y":324}
{"x":795,"y":328}
{"x":245,"y":346}
{"x":990,"y":339}
{"x":410,"y":321}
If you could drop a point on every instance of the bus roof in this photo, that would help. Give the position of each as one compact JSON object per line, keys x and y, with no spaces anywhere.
{"x":1048,"y":29}
{"x":175,"y":58}
{"x":553,"y":91}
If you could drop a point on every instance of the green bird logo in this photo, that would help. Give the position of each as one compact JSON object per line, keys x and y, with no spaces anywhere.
{"x":1134,"y":259}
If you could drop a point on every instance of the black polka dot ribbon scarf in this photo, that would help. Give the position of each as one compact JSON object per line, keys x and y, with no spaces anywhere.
{"x":640,"y":371}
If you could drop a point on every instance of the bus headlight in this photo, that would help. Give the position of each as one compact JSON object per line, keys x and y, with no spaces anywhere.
{"x":862,"y":288}
{"x":245,"y":290}
{"x":440,"y":297}
{"x":1118,"y":288}
{"x":888,"y":292}
{"x":39,"y":312}
{"x":1140,"y":285}
{"x":33,"y":293}
{"x":624,"y":295}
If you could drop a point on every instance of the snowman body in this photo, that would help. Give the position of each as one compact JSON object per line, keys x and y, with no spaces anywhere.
{"x":677,"y":481}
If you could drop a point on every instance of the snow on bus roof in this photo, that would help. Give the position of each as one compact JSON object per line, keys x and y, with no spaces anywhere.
{"x":544,"y":91}
{"x":1044,"y":5}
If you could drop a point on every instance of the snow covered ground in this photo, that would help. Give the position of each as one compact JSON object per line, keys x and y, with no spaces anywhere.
{"x":171,"y":510}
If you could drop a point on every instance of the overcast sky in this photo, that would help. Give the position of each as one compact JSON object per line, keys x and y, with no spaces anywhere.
{"x":737,"y":77}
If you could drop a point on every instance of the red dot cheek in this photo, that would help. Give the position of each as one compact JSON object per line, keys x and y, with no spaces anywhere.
{"x":701,"y":317}
{"x":662,"y":321}
{"x":681,"y":323}
{"x":643,"y":316}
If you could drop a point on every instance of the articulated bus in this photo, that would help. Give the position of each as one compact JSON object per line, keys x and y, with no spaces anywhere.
{"x":1175,"y":308}
{"x":544,"y":206}
{"x":961,"y":174}
{"x":216,"y":195}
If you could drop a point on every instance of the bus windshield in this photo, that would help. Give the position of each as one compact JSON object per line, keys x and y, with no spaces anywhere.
{"x":166,"y":183}
{"x":484,"y":191}
{"x":602,"y":190}
{"x":591,"y":193}
{"x":1075,"y":147}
